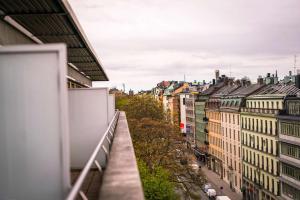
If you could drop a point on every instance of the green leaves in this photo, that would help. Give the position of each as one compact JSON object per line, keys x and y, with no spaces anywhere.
{"x":156,"y":184}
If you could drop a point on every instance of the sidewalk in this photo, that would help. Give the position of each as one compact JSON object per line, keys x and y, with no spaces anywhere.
{"x":217,"y":182}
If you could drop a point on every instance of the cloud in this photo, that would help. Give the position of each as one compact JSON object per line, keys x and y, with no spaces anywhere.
{"x":143,"y":42}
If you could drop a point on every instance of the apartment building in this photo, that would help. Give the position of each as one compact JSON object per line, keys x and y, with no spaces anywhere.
{"x":190,"y":120}
{"x":289,"y":137}
{"x":214,"y":127}
{"x":260,"y":147}
{"x":231,"y":131}
{"x":201,"y":120}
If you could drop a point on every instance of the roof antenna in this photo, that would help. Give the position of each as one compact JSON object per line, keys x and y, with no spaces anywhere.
{"x":295,"y":64}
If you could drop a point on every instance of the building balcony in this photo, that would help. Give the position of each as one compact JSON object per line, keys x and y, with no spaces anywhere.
{"x":260,"y":111}
{"x":59,"y":143}
{"x":205,"y":119}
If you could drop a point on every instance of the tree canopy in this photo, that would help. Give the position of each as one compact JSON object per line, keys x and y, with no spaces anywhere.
{"x":160,"y":148}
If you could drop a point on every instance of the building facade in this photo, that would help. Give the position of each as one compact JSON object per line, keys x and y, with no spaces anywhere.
{"x":260,"y":147}
{"x":190,"y":119}
{"x":201,"y":132}
{"x":289,"y":137}
{"x":231,"y":132}
{"x":215,"y":135}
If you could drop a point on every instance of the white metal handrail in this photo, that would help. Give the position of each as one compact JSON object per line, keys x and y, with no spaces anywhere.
{"x":108,"y":135}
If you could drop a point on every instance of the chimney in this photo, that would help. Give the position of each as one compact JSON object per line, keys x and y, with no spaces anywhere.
{"x":268,"y":75}
{"x":260,"y":80}
{"x":213,"y":81}
{"x":297,"y":82}
{"x":217,"y":73}
{"x":290,"y":73}
{"x":238,"y":82}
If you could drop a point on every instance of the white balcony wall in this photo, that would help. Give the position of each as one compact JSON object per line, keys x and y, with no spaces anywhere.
{"x":34,"y":145}
{"x":90,"y":110}
{"x":111,"y":106}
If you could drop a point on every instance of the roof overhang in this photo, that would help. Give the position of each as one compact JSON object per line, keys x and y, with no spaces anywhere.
{"x":53,"y":21}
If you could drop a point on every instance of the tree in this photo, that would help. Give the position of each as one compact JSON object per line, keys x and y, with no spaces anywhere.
{"x":159,"y":145}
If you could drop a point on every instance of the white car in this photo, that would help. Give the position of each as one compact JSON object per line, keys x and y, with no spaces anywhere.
{"x":222,"y":198}
{"x":211,"y":193}
{"x":206,"y":187}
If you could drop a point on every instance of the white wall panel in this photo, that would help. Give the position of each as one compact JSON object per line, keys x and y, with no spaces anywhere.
{"x":89,"y":119}
{"x":34,"y":148}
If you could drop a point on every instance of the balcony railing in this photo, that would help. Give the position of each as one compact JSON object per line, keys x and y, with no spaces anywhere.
{"x":261,"y":111}
{"x":103,"y":147}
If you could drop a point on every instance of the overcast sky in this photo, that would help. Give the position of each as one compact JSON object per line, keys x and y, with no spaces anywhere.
{"x":142,"y":42}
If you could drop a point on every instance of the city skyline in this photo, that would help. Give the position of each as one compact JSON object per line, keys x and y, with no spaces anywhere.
{"x":143,"y":42}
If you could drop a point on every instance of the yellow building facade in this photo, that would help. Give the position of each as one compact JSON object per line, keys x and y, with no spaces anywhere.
{"x":260,"y":146}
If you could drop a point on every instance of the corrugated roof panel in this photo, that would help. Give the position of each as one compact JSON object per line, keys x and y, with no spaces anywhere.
{"x":53,"y":21}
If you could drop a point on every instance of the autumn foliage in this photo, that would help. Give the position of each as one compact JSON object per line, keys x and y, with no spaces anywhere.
{"x":160,"y":149}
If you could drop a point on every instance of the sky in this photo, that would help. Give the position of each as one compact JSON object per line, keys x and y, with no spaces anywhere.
{"x":142,"y":42}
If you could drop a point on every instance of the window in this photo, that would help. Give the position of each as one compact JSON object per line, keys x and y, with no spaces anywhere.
{"x":291,"y":171}
{"x":290,"y":191}
{"x":272,"y":105}
{"x":290,"y":150}
{"x":267,"y":105}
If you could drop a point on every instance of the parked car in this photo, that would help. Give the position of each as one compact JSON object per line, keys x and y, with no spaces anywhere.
{"x":211,"y":193}
{"x":206,"y":187}
{"x":222,"y":198}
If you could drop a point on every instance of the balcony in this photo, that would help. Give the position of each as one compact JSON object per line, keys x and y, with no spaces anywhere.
{"x":205,"y":119}
{"x":260,"y":111}
{"x":59,"y":143}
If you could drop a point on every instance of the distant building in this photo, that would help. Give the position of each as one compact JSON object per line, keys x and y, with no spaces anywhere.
{"x":231,"y":131}
{"x":215,"y":138}
{"x":260,"y":145}
{"x":190,"y":119}
{"x":289,"y":137}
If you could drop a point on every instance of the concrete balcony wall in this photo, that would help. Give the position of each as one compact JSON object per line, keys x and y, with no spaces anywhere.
{"x":121,"y":179}
{"x":90,"y":110}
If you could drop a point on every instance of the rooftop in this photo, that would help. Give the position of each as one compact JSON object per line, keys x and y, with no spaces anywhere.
{"x":53,"y":21}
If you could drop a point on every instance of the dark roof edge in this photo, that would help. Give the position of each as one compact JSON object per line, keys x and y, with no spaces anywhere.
{"x":73,"y":19}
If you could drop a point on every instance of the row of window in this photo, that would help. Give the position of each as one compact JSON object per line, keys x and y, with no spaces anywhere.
{"x":233,"y":164}
{"x":266,"y":181}
{"x":291,"y":171}
{"x":263,"y":104}
{"x":232,"y":149}
{"x":265,"y":163}
{"x":291,"y":129}
{"x":260,"y":143}
{"x":293,"y":108}
{"x":230,"y":118}
{"x":259,"y":125}
{"x":232,"y":133}
{"x":213,"y":116}
{"x":214,"y":127}
{"x":215,"y":141}
{"x":290,"y":150}
{"x":216,"y":153}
